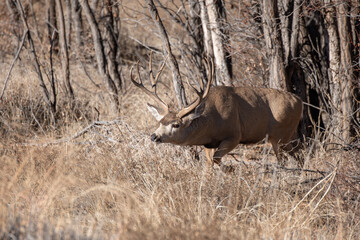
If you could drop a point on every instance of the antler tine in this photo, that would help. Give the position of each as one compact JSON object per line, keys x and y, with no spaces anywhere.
{"x":196,"y":103}
{"x":151,"y":75}
{"x":201,"y":84}
{"x":211,"y":74}
{"x":153,"y":79}
{"x":161,"y":69}
{"x":153,"y":95}
{"x":193,"y":88}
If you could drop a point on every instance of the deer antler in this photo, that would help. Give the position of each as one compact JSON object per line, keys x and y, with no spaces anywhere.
{"x":153,"y":80}
{"x":201,"y":96}
{"x":151,"y":76}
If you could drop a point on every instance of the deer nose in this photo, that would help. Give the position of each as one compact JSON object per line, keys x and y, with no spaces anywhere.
{"x":155,"y":138}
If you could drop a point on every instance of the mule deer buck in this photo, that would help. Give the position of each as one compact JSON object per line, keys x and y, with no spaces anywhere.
{"x":222,"y":117}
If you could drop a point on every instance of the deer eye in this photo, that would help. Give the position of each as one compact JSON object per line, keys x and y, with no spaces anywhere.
{"x":175,"y":125}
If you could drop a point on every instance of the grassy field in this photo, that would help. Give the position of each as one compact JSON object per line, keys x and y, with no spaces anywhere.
{"x":92,"y":176}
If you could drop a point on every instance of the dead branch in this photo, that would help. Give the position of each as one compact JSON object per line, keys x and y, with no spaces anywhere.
{"x":77,"y":135}
{"x":13,"y":63}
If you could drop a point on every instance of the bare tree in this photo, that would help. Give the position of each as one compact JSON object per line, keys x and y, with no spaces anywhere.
{"x":111,"y":41}
{"x":99,"y":51}
{"x":178,"y":85}
{"x":64,"y":50}
{"x":45,"y":91}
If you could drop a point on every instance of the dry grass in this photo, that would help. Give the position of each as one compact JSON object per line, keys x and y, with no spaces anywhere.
{"x":112,"y":182}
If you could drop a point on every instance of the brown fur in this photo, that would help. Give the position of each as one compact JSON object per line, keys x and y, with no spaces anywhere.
{"x":229,"y":116}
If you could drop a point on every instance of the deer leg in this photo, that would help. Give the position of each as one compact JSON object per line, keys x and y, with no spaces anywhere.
{"x":275,"y":146}
{"x":209,"y":153}
{"x":225,"y":147}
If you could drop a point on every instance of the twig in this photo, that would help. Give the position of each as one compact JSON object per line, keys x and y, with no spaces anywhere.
{"x":13,"y":63}
{"x":327,"y":178}
{"x":146,"y":46}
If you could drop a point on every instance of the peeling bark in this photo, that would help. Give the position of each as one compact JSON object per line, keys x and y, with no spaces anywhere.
{"x":222,"y":71}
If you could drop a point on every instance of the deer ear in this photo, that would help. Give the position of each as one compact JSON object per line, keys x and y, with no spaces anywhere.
{"x":156,"y":112}
{"x":197,"y":112}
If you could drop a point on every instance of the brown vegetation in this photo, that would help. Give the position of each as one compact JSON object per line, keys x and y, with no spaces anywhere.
{"x":87,"y":171}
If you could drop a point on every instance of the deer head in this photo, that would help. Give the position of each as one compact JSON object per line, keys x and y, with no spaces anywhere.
{"x":173,"y":126}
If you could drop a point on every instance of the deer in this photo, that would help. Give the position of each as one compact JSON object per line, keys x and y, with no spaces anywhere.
{"x":222,"y":117}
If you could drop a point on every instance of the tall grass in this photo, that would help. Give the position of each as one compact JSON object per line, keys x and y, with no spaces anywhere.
{"x":111,"y":182}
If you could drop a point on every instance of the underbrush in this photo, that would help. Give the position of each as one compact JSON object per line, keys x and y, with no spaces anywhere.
{"x":111,"y":181}
{"x":22,"y":116}
{"x":83,"y":176}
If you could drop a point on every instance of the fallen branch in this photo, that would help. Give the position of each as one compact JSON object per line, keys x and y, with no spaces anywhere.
{"x":78,"y":134}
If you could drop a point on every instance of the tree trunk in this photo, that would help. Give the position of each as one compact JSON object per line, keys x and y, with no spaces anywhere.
{"x":334,"y":70}
{"x":68,"y":21}
{"x":272,"y":35}
{"x":52,"y":26}
{"x":209,"y":52}
{"x":13,"y":11}
{"x":178,"y":86}
{"x":77,"y":25}
{"x":295,"y":29}
{"x":35,"y":59}
{"x":222,"y":71}
{"x":283,"y":9}
{"x":346,"y":71}
{"x":111,"y":47}
{"x":195,"y":22}
{"x":99,"y":51}
{"x":64,"y":51}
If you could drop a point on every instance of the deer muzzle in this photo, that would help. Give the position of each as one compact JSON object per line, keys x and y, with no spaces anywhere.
{"x":155,"y":138}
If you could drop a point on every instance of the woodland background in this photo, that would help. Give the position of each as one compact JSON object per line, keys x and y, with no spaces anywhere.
{"x":76,"y":160}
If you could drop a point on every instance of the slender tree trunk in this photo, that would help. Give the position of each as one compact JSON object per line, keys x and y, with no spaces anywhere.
{"x":112,"y":43}
{"x":68,"y":21}
{"x":64,"y":51}
{"x":222,"y":71}
{"x":334,"y":69}
{"x":295,"y":29}
{"x":77,"y":25}
{"x":209,"y":52}
{"x":195,"y":23}
{"x":283,"y":9}
{"x":346,"y":71}
{"x":13,"y":11}
{"x":51,"y":22}
{"x":35,"y":59}
{"x":179,"y":88}
{"x":99,"y":51}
